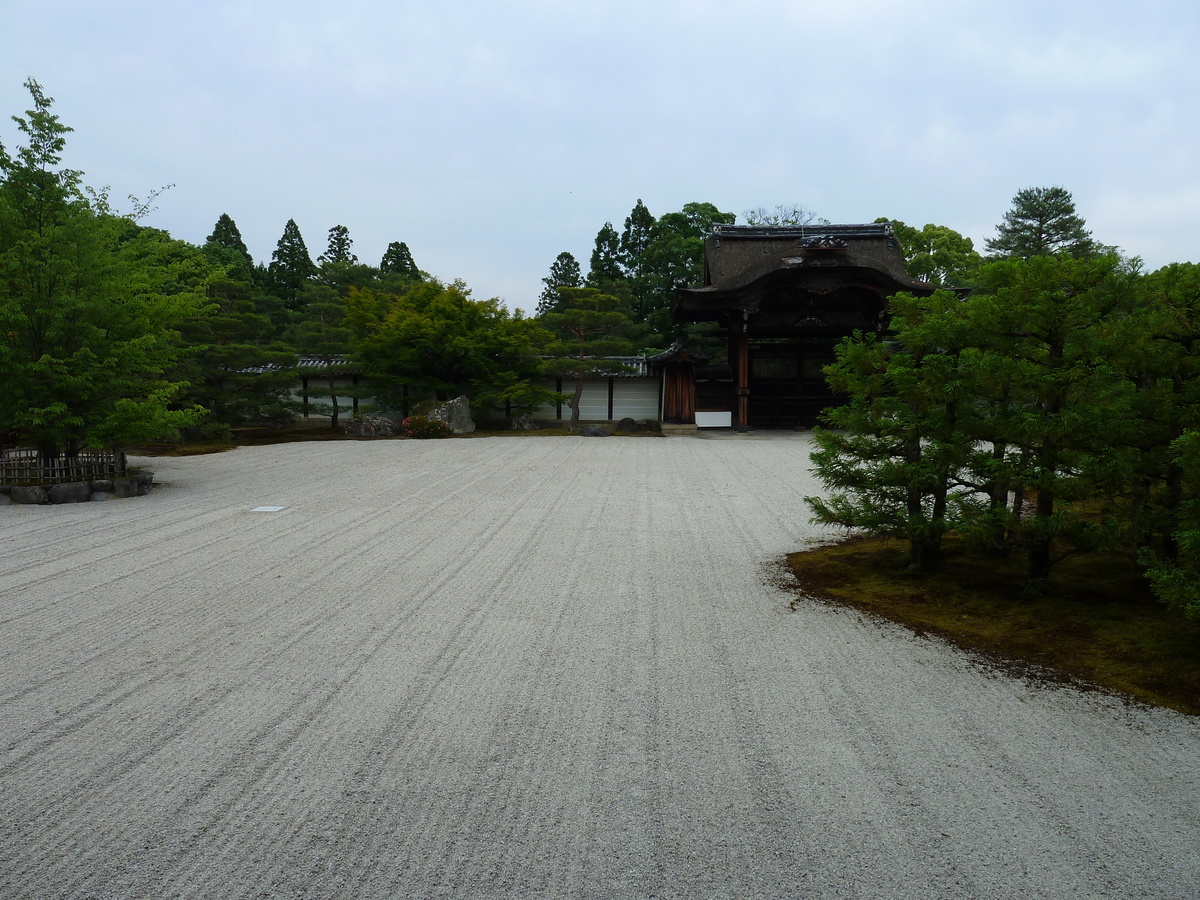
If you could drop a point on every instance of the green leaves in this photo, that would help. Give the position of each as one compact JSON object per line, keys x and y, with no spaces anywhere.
{"x":90,"y":305}
{"x":996,"y":416}
{"x":1043,"y":222}
{"x":437,"y":338}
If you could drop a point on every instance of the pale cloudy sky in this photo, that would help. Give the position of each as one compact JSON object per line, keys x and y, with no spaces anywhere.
{"x":490,"y":136}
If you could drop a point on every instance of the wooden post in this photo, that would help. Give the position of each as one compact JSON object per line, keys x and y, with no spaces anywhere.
{"x":743,"y":380}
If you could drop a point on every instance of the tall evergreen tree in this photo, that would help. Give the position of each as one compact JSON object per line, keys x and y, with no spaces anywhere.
{"x":225,"y":247}
{"x":564,"y":272}
{"x":398,"y":260}
{"x":1042,"y":222}
{"x":1051,"y":394}
{"x":235,"y":368}
{"x":604,"y":267}
{"x":635,"y":240}
{"x":338,"y":248}
{"x":900,"y":441}
{"x":291,"y":266}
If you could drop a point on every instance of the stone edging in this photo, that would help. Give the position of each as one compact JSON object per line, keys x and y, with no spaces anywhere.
{"x":136,"y":485}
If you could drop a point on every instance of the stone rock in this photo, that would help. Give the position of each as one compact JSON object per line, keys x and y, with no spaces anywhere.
{"x":70,"y":492}
{"x":102,"y":484}
{"x":372,"y":426}
{"x":22,"y":493}
{"x":627,"y":424}
{"x":124,"y":487}
{"x":456,"y":414}
{"x":595,"y":431}
{"x":6,"y":499}
{"x":98,"y":496}
{"x":524,"y":422}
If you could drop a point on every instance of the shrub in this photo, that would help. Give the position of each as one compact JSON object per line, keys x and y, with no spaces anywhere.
{"x":424,"y":427}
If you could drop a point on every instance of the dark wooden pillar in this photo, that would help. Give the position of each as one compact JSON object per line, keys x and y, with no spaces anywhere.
{"x":304,"y":394}
{"x":742,"y":380}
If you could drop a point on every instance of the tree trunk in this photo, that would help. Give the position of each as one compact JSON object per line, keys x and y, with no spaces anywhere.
{"x":1040,"y":548}
{"x":333,"y":399}
{"x":574,"y":424}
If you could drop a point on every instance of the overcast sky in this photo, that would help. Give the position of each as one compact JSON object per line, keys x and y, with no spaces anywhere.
{"x":490,"y":136}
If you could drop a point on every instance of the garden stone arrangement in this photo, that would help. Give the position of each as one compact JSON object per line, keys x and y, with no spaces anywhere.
{"x":134,"y":485}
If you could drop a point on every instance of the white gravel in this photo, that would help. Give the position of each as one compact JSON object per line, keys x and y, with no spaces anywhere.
{"x":542,"y":667}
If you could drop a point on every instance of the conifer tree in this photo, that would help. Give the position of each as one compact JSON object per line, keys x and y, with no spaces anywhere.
{"x":226,"y":247}
{"x":398,"y":260}
{"x":1051,"y":394}
{"x":604,"y":267}
{"x":585,"y":321}
{"x":564,"y":272}
{"x":291,"y":266}
{"x":338,"y":248}
{"x":322,"y":332}
{"x":900,"y":440}
{"x":635,"y":239}
{"x":1041,"y":222}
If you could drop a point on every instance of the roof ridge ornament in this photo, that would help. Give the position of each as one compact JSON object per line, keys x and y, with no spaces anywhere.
{"x":822,"y":242}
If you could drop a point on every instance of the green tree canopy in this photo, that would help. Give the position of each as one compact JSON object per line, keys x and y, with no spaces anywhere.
{"x":936,"y":254}
{"x":564,"y":272}
{"x":1041,"y":222}
{"x":291,"y":266}
{"x":226,"y":248}
{"x":900,"y":440}
{"x":436,"y":339}
{"x":90,"y":304}
{"x":398,"y":260}
{"x":604,"y":266}
{"x":585,"y":322}
{"x":338,"y":249}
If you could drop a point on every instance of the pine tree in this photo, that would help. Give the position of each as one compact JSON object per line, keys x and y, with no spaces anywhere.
{"x":900,"y":441}
{"x":1050,"y":395}
{"x":564,"y":272}
{"x":585,"y":319}
{"x":322,"y":332}
{"x":1042,"y":222}
{"x":291,"y":266}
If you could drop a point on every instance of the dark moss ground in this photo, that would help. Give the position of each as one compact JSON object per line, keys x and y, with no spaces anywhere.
{"x":1097,"y":623}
